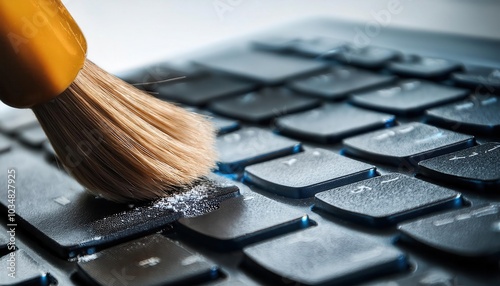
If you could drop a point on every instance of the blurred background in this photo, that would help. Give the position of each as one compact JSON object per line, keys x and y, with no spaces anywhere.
{"x":123,"y":34}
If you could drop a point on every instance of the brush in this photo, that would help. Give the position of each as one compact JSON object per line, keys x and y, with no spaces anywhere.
{"x":119,"y":142}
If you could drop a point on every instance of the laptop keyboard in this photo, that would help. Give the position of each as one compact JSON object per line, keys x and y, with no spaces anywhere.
{"x":338,"y":165}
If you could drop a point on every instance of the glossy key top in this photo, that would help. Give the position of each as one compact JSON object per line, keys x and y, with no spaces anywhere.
{"x":482,"y":79}
{"x":367,"y":57}
{"x":475,"y":115}
{"x":386,"y":200}
{"x":424,"y":67}
{"x":318,"y":47}
{"x":241,"y":221}
{"x":322,"y":255}
{"x":409,"y":97}
{"x":303,"y":174}
{"x":149,"y":261}
{"x":471,"y":232}
{"x":338,"y":82}
{"x":263,"y":105}
{"x":477,"y":167}
{"x":407,"y":144}
{"x":68,"y":221}
{"x":203,"y":89}
{"x":251,"y":145}
{"x":264,"y":67}
{"x":321,"y":124}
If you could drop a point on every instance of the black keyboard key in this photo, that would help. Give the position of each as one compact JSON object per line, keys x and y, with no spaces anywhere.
{"x":367,"y":57}
{"x":472,"y":232}
{"x":33,"y":136}
{"x":154,"y":76}
{"x":274,"y":44}
{"x":4,"y":143}
{"x":407,"y":144}
{"x":251,"y":145}
{"x":338,"y":82}
{"x":68,"y":221}
{"x":25,"y":272}
{"x":264,"y":67}
{"x":222,"y":125}
{"x":322,"y":255}
{"x":263,"y":105}
{"x":203,"y":89}
{"x":476,"y":115}
{"x":241,"y":221}
{"x":148,"y":261}
{"x":386,"y":200}
{"x":483,"y":79}
{"x":476,"y":167}
{"x":304,"y":174}
{"x":424,"y":67}
{"x":409,"y":97}
{"x":318,"y":47}
{"x":436,"y":276}
{"x":13,"y":120}
{"x":321,"y":124}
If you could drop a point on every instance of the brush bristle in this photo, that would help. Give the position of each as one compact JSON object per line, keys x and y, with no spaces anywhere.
{"x":123,"y":144}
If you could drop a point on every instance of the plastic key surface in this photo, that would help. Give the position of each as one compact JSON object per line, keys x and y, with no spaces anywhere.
{"x":406,"y":145}
{"x":251,"y":145}
{"x":338,"y":82}
{"x":476,"y":115}
{"x":471,"y":232}
{"x":222,"y":125}
{"x":70,"y":221}
{"x":274,"y":44}
{"x":367,"y":57}
{"x":483,"y":79}
{"x":263,"y":105}
{"x":317,"y":47}
{"x":149,"y":261}
{"x":303,"y":174}
{"x":321,"y":124}
{"x":477,"y":167}
{"x":264,"y":67}
{"x":386,"y":200}
{"x":203,"y":89}
{"x":409,"y":97}
{"x":424,"y":67}
{"x":322,"y":255}
{"x":26,"y":271}
{"x":241,"y":221}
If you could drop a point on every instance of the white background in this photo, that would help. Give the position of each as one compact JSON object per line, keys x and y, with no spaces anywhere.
{"x":126,"y":33}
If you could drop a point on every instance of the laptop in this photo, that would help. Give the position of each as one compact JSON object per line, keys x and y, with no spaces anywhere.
{"x":357,"y":146}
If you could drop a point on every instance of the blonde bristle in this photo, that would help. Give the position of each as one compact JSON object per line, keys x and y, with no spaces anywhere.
{"x":123,"y":144}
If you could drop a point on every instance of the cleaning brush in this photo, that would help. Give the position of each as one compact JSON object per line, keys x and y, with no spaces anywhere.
{"x":119,"y":142}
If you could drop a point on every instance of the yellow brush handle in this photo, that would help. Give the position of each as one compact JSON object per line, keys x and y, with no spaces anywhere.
{"x":42,"y":50}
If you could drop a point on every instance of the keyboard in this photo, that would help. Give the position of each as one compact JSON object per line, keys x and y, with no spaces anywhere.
{"x":345,"y":158}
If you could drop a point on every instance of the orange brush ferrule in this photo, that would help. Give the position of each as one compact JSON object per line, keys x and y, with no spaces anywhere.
{"x":42,"y":50}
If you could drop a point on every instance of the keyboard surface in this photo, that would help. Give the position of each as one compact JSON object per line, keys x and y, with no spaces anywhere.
{"x":339,"y":164}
